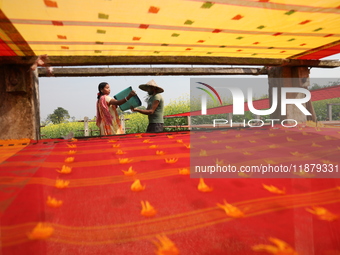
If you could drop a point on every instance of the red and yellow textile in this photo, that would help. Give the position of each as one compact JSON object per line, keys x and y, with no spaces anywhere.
{"x":222,"y":28}
{"x":131,"y":194}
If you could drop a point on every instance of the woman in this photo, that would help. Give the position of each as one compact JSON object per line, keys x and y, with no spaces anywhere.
{"x":107,"y":115}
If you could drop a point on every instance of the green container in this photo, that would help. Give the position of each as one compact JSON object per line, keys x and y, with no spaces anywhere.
{"x":132,"y":102}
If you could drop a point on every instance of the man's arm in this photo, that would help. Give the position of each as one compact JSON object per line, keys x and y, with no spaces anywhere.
{"x":147,"y":112}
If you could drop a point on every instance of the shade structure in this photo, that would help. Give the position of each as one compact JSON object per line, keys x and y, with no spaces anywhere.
{"x":223,"y":28}
{"x":100,"y":213}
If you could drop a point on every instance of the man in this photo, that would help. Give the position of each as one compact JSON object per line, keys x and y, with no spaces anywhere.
{"x":155,"y":107}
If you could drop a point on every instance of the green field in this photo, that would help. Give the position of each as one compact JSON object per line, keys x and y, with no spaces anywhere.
{"x":137,"y":123}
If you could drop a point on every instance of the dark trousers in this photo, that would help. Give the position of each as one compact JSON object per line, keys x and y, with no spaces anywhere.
{"x":155,"y":128}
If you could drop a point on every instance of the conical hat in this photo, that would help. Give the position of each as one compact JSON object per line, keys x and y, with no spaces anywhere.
{"x":151,"y":83}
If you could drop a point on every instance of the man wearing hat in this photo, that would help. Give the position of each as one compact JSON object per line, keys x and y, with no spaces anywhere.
{"x":155,"y":107}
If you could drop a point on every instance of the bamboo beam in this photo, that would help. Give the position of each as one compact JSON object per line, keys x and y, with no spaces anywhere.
{"x":168,"y":60}
{"x":86,"y":72}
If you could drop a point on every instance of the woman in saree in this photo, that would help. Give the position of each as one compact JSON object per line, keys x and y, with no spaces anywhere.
{"x":107,"y":116}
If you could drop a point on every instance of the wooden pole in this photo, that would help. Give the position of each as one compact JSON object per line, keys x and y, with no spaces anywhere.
{"x":127,"y":71}
{"x":168,"y":60}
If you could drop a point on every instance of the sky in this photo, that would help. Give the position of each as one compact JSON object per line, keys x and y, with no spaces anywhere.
{"x":78,"y":95}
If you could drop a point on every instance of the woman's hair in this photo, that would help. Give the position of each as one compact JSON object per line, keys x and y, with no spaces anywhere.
{"x":100,"y":87}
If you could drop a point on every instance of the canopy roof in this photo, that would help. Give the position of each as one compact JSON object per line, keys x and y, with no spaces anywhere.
{"x":294,"y":29}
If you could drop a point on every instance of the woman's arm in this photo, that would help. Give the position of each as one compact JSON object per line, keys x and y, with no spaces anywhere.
{"x":122,"y":101}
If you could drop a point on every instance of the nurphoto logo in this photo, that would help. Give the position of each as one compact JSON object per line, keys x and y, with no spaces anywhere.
{"x":238,"y":103}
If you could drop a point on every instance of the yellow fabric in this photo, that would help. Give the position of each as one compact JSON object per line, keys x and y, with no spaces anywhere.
{"x":259,"y":29}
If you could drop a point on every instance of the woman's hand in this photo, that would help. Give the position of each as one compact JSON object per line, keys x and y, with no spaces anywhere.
{"x":131,"y":94}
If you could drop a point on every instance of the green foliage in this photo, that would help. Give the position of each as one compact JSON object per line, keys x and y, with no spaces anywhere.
{"x":320,"y":108}
{"x":180,"y":105}
{"x":63,"y":129}
{"x":137,"y":122}
{"x":59,"y":115}
{"x":45,"y":122}
{"x":330,"y":84}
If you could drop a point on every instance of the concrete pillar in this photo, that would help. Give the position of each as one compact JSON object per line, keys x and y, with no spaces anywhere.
{"x":290,"y":77}
{"x":189,"y":122}
{"x":329,"y":112}
{"x":122,"y":122}
{"x":86,"y":126}
{"x":230,"y":117}
{"x":19,"y":97}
